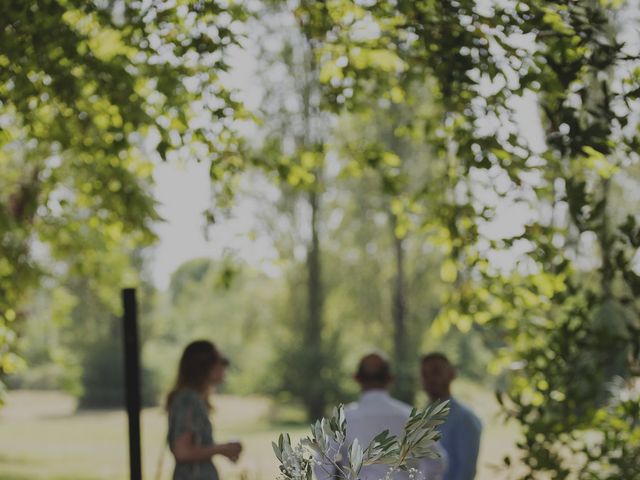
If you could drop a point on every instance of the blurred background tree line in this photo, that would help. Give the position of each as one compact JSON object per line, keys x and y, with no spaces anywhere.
{"x":389,"y":153}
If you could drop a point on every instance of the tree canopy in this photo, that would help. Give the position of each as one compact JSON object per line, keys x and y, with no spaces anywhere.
{"x":90,"y":93}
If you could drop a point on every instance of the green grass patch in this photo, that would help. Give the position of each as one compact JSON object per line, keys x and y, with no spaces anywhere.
{"x":43,"y":437}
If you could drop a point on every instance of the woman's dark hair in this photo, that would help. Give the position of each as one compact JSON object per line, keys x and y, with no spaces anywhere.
{"x":197,"y":360}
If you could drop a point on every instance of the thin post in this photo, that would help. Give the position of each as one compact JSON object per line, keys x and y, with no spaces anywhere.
{"x":132,"y":379}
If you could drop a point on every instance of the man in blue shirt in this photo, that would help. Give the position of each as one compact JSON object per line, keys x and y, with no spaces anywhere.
{"x":461,"y":431}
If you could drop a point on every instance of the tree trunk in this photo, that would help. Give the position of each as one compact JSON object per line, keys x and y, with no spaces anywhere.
{"x":316,"y":398}
{"x":404,"y":388}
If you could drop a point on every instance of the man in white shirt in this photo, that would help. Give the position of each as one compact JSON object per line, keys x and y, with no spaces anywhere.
{"x":375,"y":412}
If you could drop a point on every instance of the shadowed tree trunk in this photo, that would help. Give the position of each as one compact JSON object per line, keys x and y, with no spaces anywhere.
{"x":315,"y":395}
{"x":404,"y":384}
{"x":315,"y":402}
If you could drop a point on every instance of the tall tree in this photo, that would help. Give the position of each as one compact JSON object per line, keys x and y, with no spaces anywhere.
{"x":294,"y":149}
{"x":385,"y":140}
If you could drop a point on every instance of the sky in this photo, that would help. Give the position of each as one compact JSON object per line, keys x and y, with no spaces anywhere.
{"x":183,"y":192}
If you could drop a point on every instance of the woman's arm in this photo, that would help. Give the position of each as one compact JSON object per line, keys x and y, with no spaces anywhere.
{"x":185,"y":450}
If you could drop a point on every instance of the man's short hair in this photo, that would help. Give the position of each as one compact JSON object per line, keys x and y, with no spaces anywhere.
{"x":436,"y":356}
{"x":377,"y":372}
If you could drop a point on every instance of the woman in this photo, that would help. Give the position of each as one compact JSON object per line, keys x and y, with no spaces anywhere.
{"x":190,"y":435}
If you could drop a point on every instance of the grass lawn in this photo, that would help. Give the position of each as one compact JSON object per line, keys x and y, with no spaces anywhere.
{"x":41,"y":436}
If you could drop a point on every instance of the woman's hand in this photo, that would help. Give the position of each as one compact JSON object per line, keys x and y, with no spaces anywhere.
{"x":185,"y":450}
{"x":230,"y":450}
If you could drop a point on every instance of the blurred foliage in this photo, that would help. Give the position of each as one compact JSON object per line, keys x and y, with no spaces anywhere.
{"x":293,"y":155}
{"x":385,"y":163}
{"x":422,"y":98}
{"x":565,"y":314}
{"x":102,"y":380}
{"x":73,"y":342}
{"x":90,"y":93}
{"x":348,"y":188}
{"x":200,"y":303}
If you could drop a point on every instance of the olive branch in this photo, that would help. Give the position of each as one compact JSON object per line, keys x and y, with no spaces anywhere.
{"x":328,"y":436}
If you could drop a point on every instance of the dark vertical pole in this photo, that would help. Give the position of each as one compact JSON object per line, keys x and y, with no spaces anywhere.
{"x":132,"y":379}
